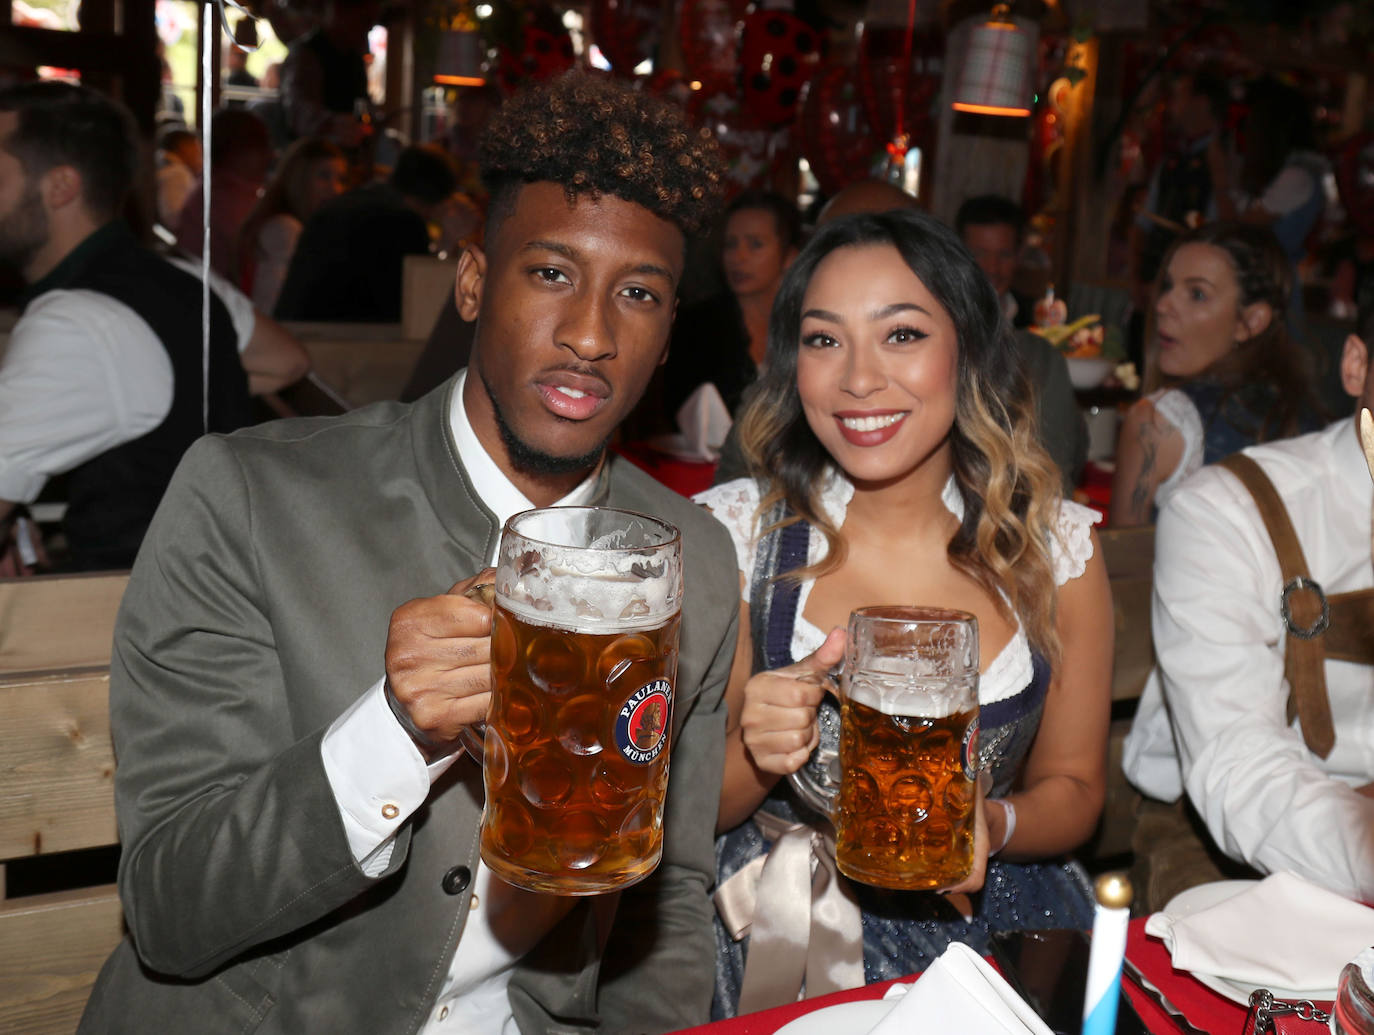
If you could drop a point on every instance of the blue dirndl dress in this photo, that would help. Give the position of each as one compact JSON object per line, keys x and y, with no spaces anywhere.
{"x":903,"y":932}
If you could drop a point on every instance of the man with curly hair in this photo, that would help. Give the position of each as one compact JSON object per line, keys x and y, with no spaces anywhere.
{"x":292,"y":668}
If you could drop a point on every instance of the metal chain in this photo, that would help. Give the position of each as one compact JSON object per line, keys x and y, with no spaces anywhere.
{"x":1264,"y":1008}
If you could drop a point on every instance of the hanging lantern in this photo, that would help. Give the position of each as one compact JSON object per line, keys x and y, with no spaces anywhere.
{"x":461,"y":50}
{"x":996,"y":75}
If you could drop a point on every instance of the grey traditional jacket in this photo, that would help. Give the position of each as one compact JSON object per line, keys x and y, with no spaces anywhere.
{"x":256,"y":613}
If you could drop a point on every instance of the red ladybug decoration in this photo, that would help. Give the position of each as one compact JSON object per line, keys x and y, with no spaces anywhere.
{"x":544,"y":53}
{"x":833,"y":130}
{"x":778,"y":55}
{"x":709,"y":33}
{"x":626,"y":31}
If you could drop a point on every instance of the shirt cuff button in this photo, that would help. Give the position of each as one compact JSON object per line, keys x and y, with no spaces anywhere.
{"x":390,"y":811}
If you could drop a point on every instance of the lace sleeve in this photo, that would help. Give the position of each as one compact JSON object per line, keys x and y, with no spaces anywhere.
{"x":734,"y":505}
{"x":1073,"y":544}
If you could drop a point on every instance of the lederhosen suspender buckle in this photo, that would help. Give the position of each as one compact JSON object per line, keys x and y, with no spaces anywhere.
{"x":1319,"y":624}
{"x":1304,"y":652}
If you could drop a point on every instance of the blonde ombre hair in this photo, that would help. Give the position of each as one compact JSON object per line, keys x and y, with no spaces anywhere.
{"x":1009,"y":485}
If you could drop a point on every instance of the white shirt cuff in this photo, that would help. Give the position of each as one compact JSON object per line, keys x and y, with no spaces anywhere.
{"x":378,"y":776}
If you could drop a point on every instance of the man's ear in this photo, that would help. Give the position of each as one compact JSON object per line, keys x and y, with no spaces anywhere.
{"x":1255,"y":318}
{"x":59,"y":187}
{"x":1354,"y":366}
{"x":469,"y":281}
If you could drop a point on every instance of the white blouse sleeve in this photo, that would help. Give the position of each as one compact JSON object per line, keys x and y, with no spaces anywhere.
{"x":735,"y":504}
{"x":1073,"y":545}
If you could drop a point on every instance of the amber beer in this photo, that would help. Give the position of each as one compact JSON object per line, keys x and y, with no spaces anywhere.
{"x":904,"y":814}
{"x":578,"y":734}
{"x":904,"y":817}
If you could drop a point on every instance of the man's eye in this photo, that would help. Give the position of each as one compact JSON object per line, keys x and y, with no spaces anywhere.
{"x":551,"y":274}
{"x":640,"y":294}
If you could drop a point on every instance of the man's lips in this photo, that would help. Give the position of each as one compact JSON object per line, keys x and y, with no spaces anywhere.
{"x":869,"y":427}
{"x":571,"y":395}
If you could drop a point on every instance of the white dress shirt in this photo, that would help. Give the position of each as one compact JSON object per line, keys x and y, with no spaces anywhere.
{"x":1212,"y":719}
{"x":379,"y":778}
{"x":82,"y":374}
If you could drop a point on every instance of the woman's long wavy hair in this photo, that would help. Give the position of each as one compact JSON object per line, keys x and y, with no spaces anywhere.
{"x":1008,"y":483}
{"x":1270,"y":359}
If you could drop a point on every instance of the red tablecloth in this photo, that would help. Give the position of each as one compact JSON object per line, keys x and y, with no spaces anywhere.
{"x":687,"y":477}
{"x":1203,"y":1007}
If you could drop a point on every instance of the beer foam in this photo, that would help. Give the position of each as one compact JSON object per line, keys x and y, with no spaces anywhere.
{"x":574,"y":601}
{"x":627,"y":577}
{"x":926,"y":697}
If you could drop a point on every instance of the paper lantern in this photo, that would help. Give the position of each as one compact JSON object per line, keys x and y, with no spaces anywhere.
{"x":996,"y":75}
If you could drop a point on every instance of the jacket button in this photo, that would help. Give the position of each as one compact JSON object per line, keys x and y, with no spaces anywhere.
{"x":456,"y":881}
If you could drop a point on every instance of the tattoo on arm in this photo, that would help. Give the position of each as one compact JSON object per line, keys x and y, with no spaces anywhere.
{"x":1142,"y":495}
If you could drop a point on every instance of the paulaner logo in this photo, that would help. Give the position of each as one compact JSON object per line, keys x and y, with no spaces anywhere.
{"x":970,"y":753}
{"x":641,"y":728}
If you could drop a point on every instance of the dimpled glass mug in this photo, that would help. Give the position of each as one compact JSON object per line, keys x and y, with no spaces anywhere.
{"x":903,"y":804}
{"x":584,"y":661}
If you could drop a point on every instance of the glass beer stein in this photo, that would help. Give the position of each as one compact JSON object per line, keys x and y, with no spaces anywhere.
{"x":903,"y":804}
{"x":584,"y":660}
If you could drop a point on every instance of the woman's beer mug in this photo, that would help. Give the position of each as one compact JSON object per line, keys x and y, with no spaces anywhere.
{"x":584,"y":661}
{"x":904,"y":809}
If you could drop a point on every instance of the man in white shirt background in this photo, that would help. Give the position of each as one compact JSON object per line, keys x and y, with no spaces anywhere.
{"x":102,"y":378}
{"x":1213,"y":722}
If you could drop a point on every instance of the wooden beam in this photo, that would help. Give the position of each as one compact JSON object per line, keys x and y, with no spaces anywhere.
{"x":58,"y":622}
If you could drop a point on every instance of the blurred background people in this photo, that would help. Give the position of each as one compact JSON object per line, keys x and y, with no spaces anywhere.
{"x":1264,"y":791}
{"x":103,"y":377}
{"x":324,"y":76}
{"x":240,"y":155}
{"x":349,"y":259}
{"x":722,"y":340}
{"x":1232,"y":374}
{"x":311,"y":173}
{"x":1181,"y":194}
{"x":179,"y":164}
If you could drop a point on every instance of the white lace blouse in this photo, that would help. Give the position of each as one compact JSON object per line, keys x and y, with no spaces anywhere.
{"x":735,"y":505}
{"x":1180,"y":411}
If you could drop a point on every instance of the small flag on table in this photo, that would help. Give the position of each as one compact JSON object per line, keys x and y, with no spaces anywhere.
{"x":1110,"y":917}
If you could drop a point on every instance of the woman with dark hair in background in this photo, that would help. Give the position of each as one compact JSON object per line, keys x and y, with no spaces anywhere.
{"x":894,"y":457}
{"x":1230,"y":371}
{"x":310,"y":173}
{"x":723,"y":339}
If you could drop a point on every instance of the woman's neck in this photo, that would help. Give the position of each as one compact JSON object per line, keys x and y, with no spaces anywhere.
{"x":912,"y":506}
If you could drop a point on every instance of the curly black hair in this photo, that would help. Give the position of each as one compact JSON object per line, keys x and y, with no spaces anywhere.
{"x":594,"y":135}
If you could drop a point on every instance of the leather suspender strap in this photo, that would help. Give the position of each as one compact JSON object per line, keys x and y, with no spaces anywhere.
{"x":1304,"y":607}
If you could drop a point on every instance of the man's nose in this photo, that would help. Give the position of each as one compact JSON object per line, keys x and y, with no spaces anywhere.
{"x":586,"y":327}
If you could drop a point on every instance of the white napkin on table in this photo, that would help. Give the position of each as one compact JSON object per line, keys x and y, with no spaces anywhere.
{"x":703,"y":422}
{"x":960,"y":992}
{"x":1282,"y":932}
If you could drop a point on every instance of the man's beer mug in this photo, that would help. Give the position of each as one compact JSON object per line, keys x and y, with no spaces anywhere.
{"x":584,"y":661}
{"x":904,"y":808}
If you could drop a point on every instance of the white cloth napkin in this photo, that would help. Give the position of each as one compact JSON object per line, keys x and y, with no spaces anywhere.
{"x":1281,"y":932}
{"x":959,"y":992}
{"x":703,"y":422}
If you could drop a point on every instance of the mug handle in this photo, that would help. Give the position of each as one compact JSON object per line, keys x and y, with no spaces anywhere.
{"x":472,"y":737}
{"x":817,"y":782}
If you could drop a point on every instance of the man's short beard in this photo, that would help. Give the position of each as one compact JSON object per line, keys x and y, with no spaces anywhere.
{"x":24,"y":230}
{"x":529,"y":460}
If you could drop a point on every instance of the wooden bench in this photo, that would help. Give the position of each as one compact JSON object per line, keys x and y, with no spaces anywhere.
{"x":1129,"y":555}
{"x":57,"y":775}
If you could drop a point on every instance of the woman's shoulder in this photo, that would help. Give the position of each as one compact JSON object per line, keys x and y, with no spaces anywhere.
{"x":278,"y":230}
{"x":1072,"y":546}
{"x":732,"y":500}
